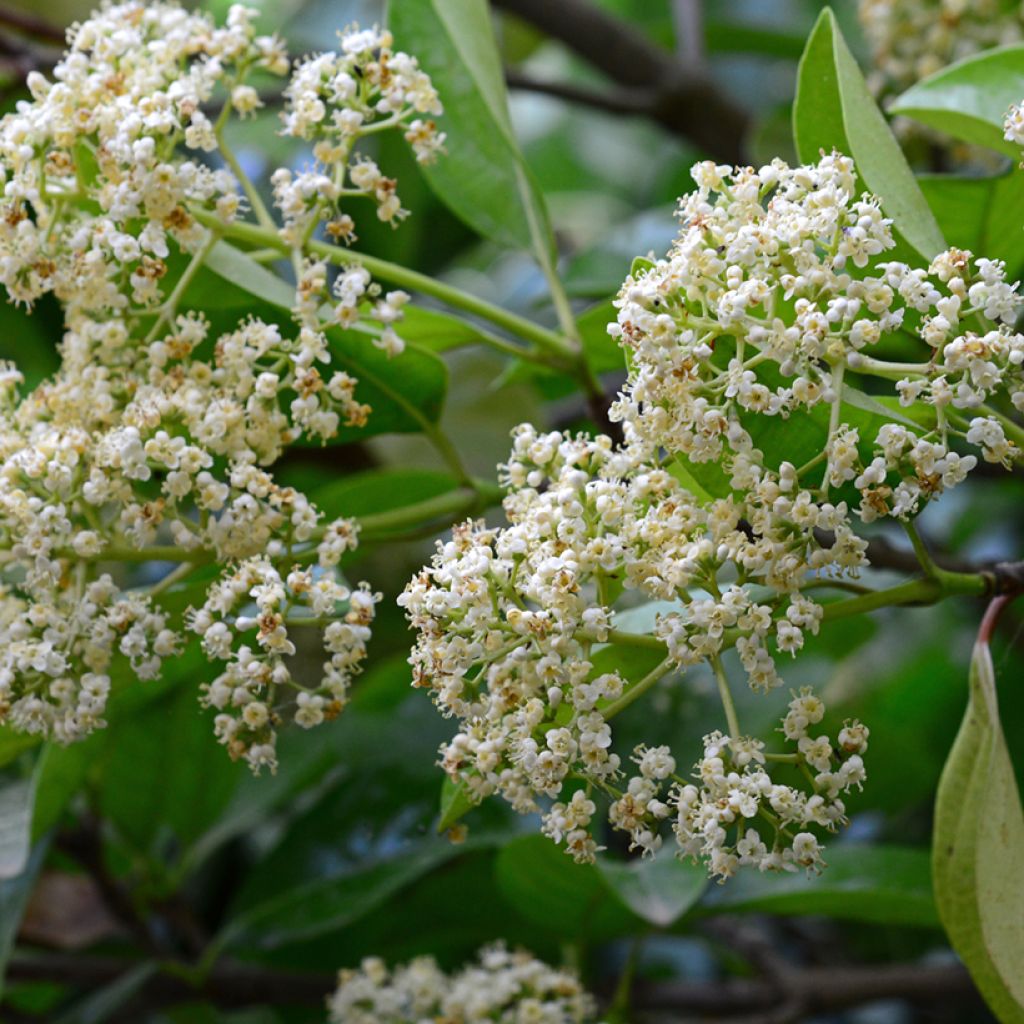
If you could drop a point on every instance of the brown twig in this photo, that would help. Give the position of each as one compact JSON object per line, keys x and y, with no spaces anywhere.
{"x":812,"y":989}
{"x":806,"y":991}
{"x":228,"y":984}
{"x":649,"y":80}
{"x":31,"y":25}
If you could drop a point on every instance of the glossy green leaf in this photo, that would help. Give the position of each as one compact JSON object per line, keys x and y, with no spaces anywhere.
{"x":970,"y":98}
{"x":835,"y":110}
{"x":603,"y":352}
{"x":405,"y":393}
{"x":436,"y":331}
{"x":379,"y":490}
{"x":242,"y":270}
{"x":60,"y":774}
{"x":659,"y":890}
{"x":482,"y":176}
{"x":882,"y":884}
{"x":976,"y":851}
{"x":975,"y":214}
{"x":557,"y":894}
{"x":327,"y":904}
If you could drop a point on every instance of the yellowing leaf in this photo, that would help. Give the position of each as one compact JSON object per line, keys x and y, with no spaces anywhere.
{"x":977,"y":849}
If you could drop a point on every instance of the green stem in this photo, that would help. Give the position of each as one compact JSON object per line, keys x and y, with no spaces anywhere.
{"x":444,"y":506}
{"x":624,"y":639}
{"x":732,"y":722}
{"x":637,"y":690}
{"x":251,"y":193}
{"x":925,"y":590}
{"x":170,"y":306}
{"x":923,"y":554}
{"x":403,"y":277}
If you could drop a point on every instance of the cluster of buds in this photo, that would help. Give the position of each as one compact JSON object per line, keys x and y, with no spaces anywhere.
{"x":511,"y":622}
{"x":258,"y":602}
{"x":501,"y":986}
{"x":771,"y":296}
{"x":153,"y":441}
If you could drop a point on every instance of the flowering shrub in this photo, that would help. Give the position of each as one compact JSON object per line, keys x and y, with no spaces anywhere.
{"x":629,"y":636}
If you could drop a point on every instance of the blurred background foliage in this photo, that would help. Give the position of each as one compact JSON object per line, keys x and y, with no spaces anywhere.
{"x":151,"y":846}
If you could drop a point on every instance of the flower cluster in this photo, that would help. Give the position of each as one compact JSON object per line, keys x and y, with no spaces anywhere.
{"x":771,"y":295}
{"x":104,"y":167}
{"x":153,"y":441}
{"x":911,"y":39}
{"x":511,"y":988}
{"x":740,"y":815}
{"x":56,"y":654}
{"x":247,"y":694}
{"x":332,"y":100}
{"x":511,"y":622}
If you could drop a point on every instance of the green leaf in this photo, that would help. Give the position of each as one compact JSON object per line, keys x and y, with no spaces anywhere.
{"x":406,"y":392}
{"x":455,"y":803}
{"x":970,"y":98}
{"x":974,"y":214}
{"x":558,"y":895}
{"x":880,"y":884}
{"x":162,"y":778}
{"x":835,"y":110}
{"x":435,"y":331}
{"x":327,"y":904}
{"x":977,"y":843}
{"x":16,"y":801}
{"x":60,"y":774}
{"x":14,"y":895}
{"x":658,"y":890}
{"x":602,"y":351}
{"x":242,"y":270}
{"x":379,"y":490}
{"x":482,"y":176}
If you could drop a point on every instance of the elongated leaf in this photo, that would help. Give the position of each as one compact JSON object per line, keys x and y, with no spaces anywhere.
{"x":14,"y":894}
{"x":884,"y":884}
{"x":834,"y":110}
{"x":16,"y":800}
{"x":60,"y":774}
{"x":659,"y":891}
{"x":242,"y":270}
{"x":482,"y":177}
{"x":970,"y":98}
{"x":455,"y":803}
{"x":329,"y":904}
{"x":379,"y":490}
{"x":976,"y":852}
